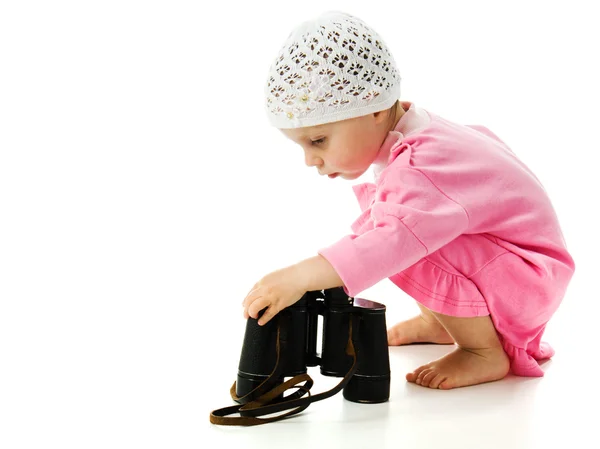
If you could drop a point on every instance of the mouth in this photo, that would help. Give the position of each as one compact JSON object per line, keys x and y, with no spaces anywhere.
{"x":333,"y":175}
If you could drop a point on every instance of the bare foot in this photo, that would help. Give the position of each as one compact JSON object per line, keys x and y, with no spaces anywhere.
{"x":461,"y":368}
{"x":419,"y":329}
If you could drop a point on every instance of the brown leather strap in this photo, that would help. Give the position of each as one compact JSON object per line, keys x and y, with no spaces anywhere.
{"x":220,"y":416}
{"x":263,"y":406}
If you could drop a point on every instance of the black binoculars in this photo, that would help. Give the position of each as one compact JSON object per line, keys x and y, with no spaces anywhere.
{"x":354,"y":346}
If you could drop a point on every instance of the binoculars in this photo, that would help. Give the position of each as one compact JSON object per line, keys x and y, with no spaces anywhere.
{"x":353,"y":346}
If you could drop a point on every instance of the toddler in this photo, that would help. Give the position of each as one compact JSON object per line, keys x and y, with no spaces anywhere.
{"x":453,"y":217}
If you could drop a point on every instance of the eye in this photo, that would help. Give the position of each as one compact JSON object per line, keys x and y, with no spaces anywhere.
{"x":318,"y":141}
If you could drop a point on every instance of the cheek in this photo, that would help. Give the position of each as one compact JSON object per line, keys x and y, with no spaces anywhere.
{"x":347,"y":162}
{"x":356,"y":155}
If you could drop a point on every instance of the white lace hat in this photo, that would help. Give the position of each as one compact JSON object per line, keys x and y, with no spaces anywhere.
{"x":331,"y":68}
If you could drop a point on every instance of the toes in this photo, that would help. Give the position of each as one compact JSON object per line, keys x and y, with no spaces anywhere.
{"x":446,"y":384}
{"x":422,"y":375}
{"x":437,"y":380}
{"x":427,"y":377}
{"x":392,"y":337}
{"x":396,"y":336}
{"x":412,"y":377}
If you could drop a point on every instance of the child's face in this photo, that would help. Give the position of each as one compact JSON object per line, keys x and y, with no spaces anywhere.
{"x":346,"y":148}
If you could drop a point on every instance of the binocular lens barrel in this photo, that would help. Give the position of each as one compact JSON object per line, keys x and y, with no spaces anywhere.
{"x":298,"y":335}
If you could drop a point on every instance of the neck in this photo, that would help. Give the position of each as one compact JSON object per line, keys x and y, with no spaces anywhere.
{"x":396,"y":114}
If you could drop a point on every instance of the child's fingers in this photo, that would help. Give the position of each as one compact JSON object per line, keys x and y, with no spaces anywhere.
{"x":266,"y":317}
{"x":257,"y":305}
{"x":251,"y":296}
{"x":251,"y":290}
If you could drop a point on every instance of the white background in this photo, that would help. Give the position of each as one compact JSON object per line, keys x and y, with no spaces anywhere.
{"x":142,"y":194}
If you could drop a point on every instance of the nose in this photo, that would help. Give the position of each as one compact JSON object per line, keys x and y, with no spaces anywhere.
{"x":312,"y":160}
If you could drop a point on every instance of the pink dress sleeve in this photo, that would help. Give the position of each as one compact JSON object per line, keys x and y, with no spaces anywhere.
{"x":408,"y":218}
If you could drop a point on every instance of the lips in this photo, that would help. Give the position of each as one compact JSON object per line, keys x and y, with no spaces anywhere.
{"x":333,"y":175}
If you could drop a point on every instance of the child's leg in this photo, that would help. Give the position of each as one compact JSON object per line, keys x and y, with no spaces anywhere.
{"x":479,"y":357}
{"x":424,"y":328}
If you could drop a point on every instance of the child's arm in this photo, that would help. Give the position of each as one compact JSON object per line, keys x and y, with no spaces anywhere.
{"x":284,"y":287}
{"x":319,"y":274}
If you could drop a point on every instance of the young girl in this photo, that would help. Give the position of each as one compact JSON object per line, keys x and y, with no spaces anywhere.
{"x":453,"y":218}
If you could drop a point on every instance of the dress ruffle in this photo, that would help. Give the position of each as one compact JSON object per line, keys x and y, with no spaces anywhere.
{"x":441,"y":291}
{"x":523,"y":363}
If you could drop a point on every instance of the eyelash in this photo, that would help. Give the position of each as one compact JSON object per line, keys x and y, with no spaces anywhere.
{"x":318,"y":141}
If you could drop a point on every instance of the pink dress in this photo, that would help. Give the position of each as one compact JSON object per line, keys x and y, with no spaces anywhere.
{"x":459,"y":223}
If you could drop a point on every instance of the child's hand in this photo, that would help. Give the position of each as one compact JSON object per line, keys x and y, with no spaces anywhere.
{"x":277,"y":290}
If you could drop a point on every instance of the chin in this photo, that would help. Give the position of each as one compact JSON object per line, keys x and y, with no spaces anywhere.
{"x":351,"y":176}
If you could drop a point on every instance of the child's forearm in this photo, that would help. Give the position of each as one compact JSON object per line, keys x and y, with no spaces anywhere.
{"x":318,"y":274}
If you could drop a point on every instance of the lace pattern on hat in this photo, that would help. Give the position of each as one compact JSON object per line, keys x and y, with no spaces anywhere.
{"x":330,"y":69}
